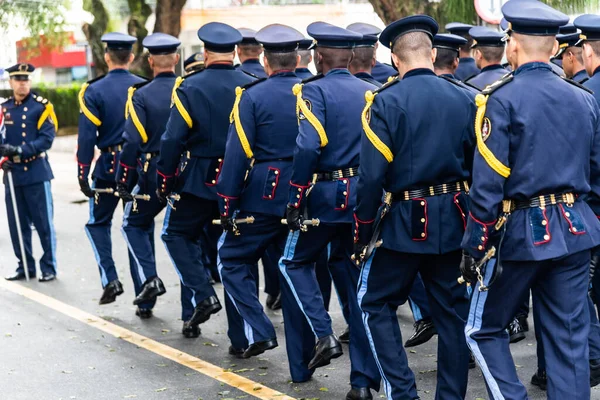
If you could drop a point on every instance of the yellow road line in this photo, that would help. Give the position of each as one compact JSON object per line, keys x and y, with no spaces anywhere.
{"x":212,"y":371}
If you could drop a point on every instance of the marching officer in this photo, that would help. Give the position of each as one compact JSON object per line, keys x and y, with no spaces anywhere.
{"x":31,"y":126}
{"x":364,"y":58}
{"x":248,"y":52}
{"x":447,"y":58}
{"x":466,"y":65}
{"x":323,"y":184}
{"x":529,"y":207}
{"x":422,"y":161}
{"x":568,"y":29}
{"x":305,"y":53}
{"x":197,"y":127}
{"x":262,"y":132}
{"x":148,"y":111}
{"x":488,"y":48}
{"x":194,"y":63}
{"x":101,"y":123}
{"x":571,"y":57}
{"x":380,"y":72}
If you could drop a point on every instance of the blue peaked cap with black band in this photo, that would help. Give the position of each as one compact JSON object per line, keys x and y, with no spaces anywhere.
{"x":448,"y":41}
{"x":486,"y":37}
{"x":118,"y":41}
{"x":370,"y":33}
{"x":533,"y":18}
{"x":219,"y":37}
{"x":414,"y":23}
{"x":305,"y":44}
{"x":161,"y":43}
{"x":20,"y":72}
{"x":194,"y":59}
{"x":279,"y":38}
{"x":327,"y":35}
{"x":458,"y":28}
{"x":567,"y":29}
{"x":589,"y":25}
{"x":248,"y":36}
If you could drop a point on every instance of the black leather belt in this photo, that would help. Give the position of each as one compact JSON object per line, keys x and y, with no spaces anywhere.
{"x":338,"y":174}
{"x":435,"y":190}
{"x":540,"y":201}
{"x":273,"y":159}
{"x":112,"y":149}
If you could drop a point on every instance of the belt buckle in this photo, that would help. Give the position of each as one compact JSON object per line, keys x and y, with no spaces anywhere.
{"x":444,"y":188}
{"x":552,"y":199}
{"x":542,"y":200}
{"x":431,"y":191}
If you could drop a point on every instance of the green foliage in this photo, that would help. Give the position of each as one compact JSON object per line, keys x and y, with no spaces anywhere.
{"x":64,"y":99}
{"x":40,"y":17}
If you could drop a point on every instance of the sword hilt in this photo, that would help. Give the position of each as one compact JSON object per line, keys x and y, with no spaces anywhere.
{"x":306,"y":222}
{"x":237,"y":221}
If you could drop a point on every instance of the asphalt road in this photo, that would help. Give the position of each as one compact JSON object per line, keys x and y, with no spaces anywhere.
{"x":46,"y":354}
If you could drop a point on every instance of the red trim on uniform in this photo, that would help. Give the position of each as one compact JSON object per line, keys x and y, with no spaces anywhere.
{"x":462,"y":213}
{"x":300,"y":186}
{"x":480,"y":222}
{"x":227,"y":197}
{"x":426,"y":221}
{"x":82,"y":164}
{"x":125,"y":165}
{"x":276,"y":183}
{"x":547,"y":229}
{"x":363,"y":222}
{"x":571,"y":227}
{"x":347,"y":195}
{"x":220,"y":168}
{"x":163,"y":175}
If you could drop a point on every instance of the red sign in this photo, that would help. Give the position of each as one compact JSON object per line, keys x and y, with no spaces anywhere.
{"x":67,"y":57}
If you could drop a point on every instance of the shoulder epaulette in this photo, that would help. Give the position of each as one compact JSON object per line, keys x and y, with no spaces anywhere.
{"x":312,"y":78}
{"x":579,"y":85}
{"x":139,"y":85}
{"x":584,"y":80}
{"x":48,"y":113}
{"x":469,"y":85}
{"x":387,"y":85}
{"x":498,"y":84}
{"x":96,"y":79}
{"x":392,"y":78}
{"x":249,"y":73}
{"x":457,"y":82}
{"x":249,"y":85}
{"x":39,"y":99}
{"x":470,"y":77}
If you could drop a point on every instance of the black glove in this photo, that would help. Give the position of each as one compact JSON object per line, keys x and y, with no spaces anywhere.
{"x":162,"y":197}
{"x":7,"y":166}
{"x":228,"y":224}
{"x":294,"y":219}
{"x":84,"y":186}
{"x":359,"y":251}
{"x":124,"y":192}
{"x":467,"y":268}
{"x":8,"y":150}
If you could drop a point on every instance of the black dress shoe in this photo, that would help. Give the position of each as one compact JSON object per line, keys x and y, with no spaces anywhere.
{"x":345,"y":336}
{"x":327,"y":348}
{"x":270,"y":300}
{"x":515,"y":331}
{"x":359,"y":394}
{"x":238,"y":353}
{"x":539,"y":379}
{"x":260,"y":347}
{"x":19,"y":276}
{"x":424,"y":330}
{"x":47,"y":277}
{"x":190,"y":331}
{"x":594,"y":372}
{"x":205,"y":309}
{"x":143,"y":313}
{"x":471,"y":361}
{"x":523,"y":321}
{"x":111,"y":291}
{"x":152,"y":289}
{"x":277,"y":303}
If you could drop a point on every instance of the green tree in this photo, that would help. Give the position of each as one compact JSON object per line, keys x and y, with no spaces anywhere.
{"x":40,"y":17}
{"x":94,"y":31}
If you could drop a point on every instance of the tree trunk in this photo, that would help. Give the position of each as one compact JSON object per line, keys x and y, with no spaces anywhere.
{"x":168,"y":16}
{"x":443,"y":11}
{"x":94,"y":31}
{"x":140,"y":11}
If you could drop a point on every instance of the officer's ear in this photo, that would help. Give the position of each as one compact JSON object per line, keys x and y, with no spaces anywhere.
{"x":131,"y":58}
{"x":298,"y":60}
{"x":455,"y":63}
{"x":555,"y":47}
{"x":396,"y":61}
{"x":433,"y":54}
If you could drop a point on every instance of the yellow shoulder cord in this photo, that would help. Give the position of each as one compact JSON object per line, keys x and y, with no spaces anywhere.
{"x":379,"y":145}
{"x":48,"y":112}
{"x":486,"y":153}
{"x":184,"y":114}
{"x":234,"y":117}
{"x":314,"y":121}
{"x":130,"y":111}
{"x":95,"y":120}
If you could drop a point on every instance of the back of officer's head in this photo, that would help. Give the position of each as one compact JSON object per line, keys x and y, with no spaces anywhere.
{"x":163,"y":62}
{"x":249,"y":51}
{"x":118,"y":58}
{"x":413,"y":50}
{"x":491,"y":54}
{"x":591,"y":55}
{"x":328,"y":58}
{"x":446,"y":61}
{"x":281,"y":61}
{"x":305,"y":58}
{"x":465,"y":49}
{"x":572,"y":61}
{"x":522,"y":49}
{"x":363,"y":60}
